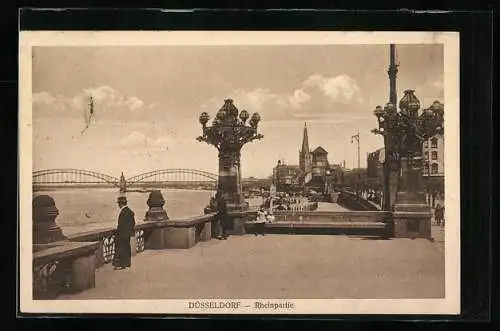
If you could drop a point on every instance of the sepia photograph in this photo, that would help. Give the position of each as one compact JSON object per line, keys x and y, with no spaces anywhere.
{"x":239,"y":172}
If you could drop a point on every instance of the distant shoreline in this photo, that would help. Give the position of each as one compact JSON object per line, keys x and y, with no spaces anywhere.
{"x":62,"y":189}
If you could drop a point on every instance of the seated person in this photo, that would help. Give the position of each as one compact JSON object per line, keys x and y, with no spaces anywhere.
{"x":261,"y":216}
{"x":270,"y":217}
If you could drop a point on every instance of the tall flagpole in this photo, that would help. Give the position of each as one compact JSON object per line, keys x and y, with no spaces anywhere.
{"x":389,"y":175}
{"x":356,"y":137}
{"x":393,"y":71}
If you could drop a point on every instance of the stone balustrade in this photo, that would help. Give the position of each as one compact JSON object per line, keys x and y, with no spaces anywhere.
{"x":106,"y":240}
{"x":371,"y":223}
{"x":379,"y":223}
{"x":69,"y":264}
{"x":63,"y":266}
{"x":332,"y":216}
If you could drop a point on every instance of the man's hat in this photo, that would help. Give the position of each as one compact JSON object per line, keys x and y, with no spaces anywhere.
{"x":122,"y":199}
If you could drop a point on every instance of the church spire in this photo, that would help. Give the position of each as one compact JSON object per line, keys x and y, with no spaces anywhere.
{"x":305,"y":140}
{"x":305,"y":152}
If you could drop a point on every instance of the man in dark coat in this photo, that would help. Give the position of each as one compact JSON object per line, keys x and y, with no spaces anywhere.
{"x":222,"y":215}
{"x":212,"y":206}
{"x":124,"y":231}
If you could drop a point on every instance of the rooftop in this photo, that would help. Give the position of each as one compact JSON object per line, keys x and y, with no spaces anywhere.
{"x":319,"y":150}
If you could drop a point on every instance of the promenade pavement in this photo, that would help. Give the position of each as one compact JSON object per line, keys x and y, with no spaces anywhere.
{"x":328,"y":206}
{"x":279,"y":266}
{"x":437,"y":232}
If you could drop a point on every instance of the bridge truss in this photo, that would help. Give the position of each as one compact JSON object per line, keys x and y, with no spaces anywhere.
{"x":79,"y":176}
{"x":173,"y":175}
{"x":72,"y":176}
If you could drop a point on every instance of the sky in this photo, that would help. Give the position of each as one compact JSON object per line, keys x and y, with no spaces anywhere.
{"x":147,"y":101}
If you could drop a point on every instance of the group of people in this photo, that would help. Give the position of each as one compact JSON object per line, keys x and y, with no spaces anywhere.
{"x":263,"y":216}
{"x":285,"y":203}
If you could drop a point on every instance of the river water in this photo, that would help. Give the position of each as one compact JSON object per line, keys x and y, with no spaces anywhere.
{"x":86,"y":209}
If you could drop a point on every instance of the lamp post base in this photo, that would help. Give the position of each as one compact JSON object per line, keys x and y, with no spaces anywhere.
{"x":411,"y":216}
{"x":411,"y":202}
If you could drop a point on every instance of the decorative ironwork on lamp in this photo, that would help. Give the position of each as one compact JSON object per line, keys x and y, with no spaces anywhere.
{"x":231,"y":129}
{"x":406,"y":130}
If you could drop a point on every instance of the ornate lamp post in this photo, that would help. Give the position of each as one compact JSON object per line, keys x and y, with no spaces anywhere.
{"x":228,"y":133}
{"x":387,"y":123}
{"x":404,"y":133}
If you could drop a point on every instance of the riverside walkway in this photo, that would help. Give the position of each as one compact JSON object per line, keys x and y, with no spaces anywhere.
{"x":279,"y":266}
{"x":328,"y":206}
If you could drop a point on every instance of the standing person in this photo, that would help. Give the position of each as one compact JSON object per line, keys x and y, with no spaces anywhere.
{"x":222,"y":216}
{"x":124,"y":231}
{"x":442,"y":215}
{"x":438,"y":214}
{"x":212,"y":206}
{"x":260,"y":222}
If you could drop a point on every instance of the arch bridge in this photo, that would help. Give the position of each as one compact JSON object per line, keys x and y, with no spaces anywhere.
{"x":68,"y":177}
{"x":73,"y":176}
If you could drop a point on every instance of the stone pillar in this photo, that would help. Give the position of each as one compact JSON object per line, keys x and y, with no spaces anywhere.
{"x":393,"y":188}
{"x":180,"y":237}
{"x":155,"y":203}
{"x":239,"y":221}
{"x":412,"y":225}
{"x":230,"y":179}
{"x":206,"y":232}
{"x":410,"y":196}
{"x":45,"y":229}
{"x":83,"y":273}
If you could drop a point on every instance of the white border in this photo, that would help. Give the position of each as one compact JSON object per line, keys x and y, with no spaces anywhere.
{"x":449,"y":305}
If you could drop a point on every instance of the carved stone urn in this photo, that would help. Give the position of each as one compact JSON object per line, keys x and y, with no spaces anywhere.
{"x":45,"y":229}
{"x":155,"y":203}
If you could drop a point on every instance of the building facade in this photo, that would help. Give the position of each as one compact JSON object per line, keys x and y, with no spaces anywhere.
{"x":314,"y":172}
{"x":285,"y":177}
{"x":375,"y":164}
{"x":433,"y":157}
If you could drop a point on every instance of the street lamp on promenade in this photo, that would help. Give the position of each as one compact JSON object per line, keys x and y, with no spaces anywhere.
{"x":404,"y":133}
{"x":228,"y":133}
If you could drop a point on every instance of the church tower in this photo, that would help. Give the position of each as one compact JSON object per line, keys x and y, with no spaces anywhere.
{"x":305,"y":153}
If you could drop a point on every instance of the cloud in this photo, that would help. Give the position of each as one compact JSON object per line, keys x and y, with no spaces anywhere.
{"x":106,"y":99}
{"x":164,"y":141}
{"x":439,"y":83}
{"x":341,"y":88}
{"x":134,"y":103}
{"x":139,"y":139}
{"x":43,"y":98}
{"x":298,"y":98}
{"x":327,"y":96}
{"x":134,"y":139}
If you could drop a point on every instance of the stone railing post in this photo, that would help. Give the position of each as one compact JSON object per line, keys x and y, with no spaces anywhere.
{"x":45,"y":229}
{"x":155,"y":203}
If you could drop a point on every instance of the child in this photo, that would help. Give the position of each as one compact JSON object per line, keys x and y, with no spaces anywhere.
{"x":260,"y":222}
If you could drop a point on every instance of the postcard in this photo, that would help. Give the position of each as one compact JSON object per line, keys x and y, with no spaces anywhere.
{"x":239,"y":172}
